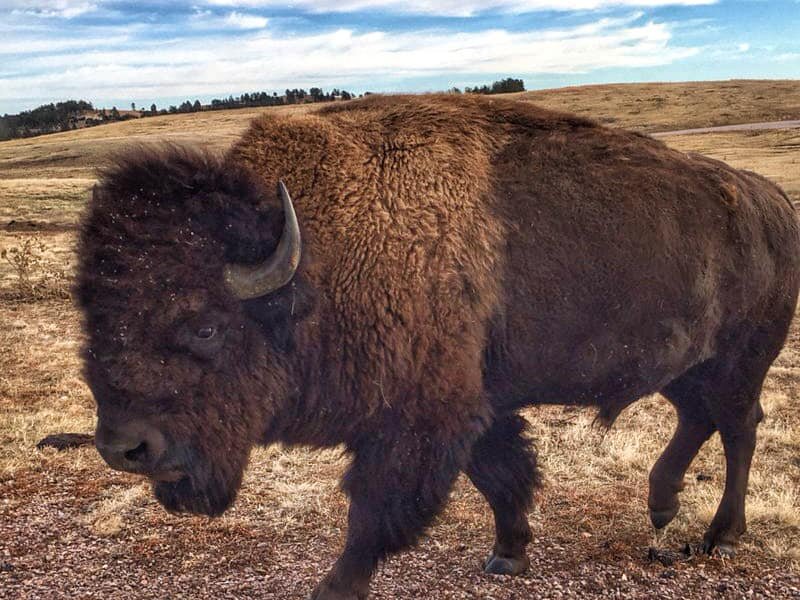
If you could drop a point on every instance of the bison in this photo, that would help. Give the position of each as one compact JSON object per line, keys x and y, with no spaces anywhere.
{"x":429,"y":266}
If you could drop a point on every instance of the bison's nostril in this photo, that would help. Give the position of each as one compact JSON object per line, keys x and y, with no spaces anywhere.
{"x":137,"y":454}
{"x":133,"y":446}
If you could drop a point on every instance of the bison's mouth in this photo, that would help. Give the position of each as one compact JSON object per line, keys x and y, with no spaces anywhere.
{"x":198,"y":486}
{"x":170,"y":476}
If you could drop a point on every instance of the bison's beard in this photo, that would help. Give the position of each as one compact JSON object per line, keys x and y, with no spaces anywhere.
{"x":183,"y":497}
{"x":206,"y":488}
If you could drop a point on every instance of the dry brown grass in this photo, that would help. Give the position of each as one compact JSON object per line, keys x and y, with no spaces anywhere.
{"x":654,"y":107}
{"x":594,"y":503}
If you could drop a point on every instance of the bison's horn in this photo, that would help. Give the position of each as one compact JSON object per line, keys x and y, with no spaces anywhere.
{"x":247,"y":282}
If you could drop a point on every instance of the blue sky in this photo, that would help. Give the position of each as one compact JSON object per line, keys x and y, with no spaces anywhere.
{"x":114,"y":52}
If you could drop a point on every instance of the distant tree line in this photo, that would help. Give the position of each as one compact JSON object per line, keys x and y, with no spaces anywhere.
{"x":47,"y":118}
{"x":61,"y":116}
{"x":255,"y":99}
{"x":295,"y":96}
{"x":504,"y":86}
{"x":76,"y":114}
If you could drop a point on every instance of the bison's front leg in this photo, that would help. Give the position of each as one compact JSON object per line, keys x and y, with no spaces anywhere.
{"x":503,"y":468}
{"x":396,"y":485}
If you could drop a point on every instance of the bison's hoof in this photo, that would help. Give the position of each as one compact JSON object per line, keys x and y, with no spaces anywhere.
{"x":719,"y":549}
{"x":502,"y":565}
{"x":326,"y":592}
{"x":63,"y":441}
{"x":662,"y":518}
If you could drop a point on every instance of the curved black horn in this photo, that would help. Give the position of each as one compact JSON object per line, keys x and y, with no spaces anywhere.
{"x":247,"y":282}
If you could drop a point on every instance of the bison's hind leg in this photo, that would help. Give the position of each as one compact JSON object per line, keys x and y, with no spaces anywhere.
{"x":695,"y":426}
{"x":721,"y":394}
{"x":736,"y":411}
{"x":503,"y":468}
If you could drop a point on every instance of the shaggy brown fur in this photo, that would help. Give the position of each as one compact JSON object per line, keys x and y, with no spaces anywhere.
{"x":463,"y":257}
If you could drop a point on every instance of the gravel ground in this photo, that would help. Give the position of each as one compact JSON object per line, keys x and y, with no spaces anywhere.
{"x":57,"y":540}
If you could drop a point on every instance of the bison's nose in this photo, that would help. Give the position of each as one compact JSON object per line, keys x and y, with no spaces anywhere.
{"x":134,"y":446}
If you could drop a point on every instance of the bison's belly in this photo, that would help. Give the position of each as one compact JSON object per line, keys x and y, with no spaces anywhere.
{"x":602,"y":363}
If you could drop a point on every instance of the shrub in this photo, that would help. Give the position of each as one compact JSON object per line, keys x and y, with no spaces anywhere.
{"x":38,"y":277}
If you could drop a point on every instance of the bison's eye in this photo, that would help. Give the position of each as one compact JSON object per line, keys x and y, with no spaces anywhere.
{"x":206,"y":333}
{"x":203,"y":334}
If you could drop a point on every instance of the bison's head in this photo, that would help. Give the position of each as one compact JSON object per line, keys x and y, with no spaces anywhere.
{"x":188,"y":286}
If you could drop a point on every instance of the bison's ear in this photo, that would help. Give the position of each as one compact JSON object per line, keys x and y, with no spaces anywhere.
{"x":278,"y":313}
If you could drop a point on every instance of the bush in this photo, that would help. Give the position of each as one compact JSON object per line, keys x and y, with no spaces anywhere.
{"x":37,"y":276}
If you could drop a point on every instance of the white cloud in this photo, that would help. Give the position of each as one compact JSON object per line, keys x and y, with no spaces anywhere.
{"x":727,"y":51}
{"x":243,"y":21}
{"x":67,"y":9}
{"x":462,"y":8}
{"x":191,"y":67}
{"x":66,"y":47}
{"x":203,"y":19}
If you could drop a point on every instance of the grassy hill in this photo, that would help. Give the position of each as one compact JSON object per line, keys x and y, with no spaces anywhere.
{"x":652,"y":107}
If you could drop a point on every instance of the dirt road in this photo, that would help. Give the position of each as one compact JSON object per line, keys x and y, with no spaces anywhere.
{"x":727,"y":128}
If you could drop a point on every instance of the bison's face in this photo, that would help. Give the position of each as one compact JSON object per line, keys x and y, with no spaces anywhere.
{"x":176,"y":399}
{"x":184,"y":288}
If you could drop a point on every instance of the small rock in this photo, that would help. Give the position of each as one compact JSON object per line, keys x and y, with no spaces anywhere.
{"x":665,"y":557}
{"x":668,"y":574}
